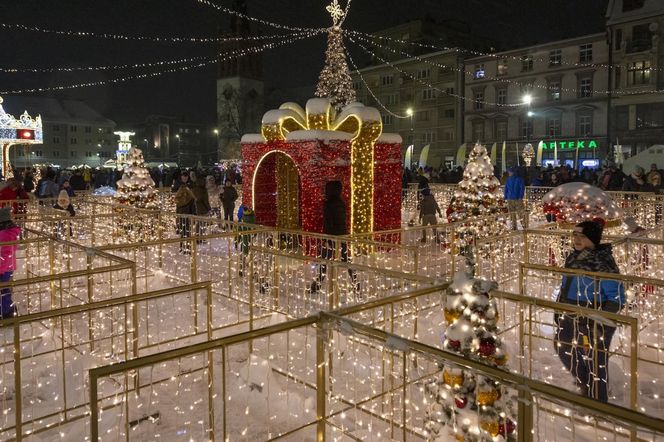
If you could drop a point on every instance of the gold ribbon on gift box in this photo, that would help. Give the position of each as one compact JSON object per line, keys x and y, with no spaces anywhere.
{"x":362,"y":123}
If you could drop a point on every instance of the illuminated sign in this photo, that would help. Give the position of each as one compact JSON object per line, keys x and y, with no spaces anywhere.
{"x":25,"y":134}
{"x":570,"y":144}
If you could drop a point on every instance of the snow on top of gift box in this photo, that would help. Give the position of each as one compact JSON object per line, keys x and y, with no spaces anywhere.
{"x":361,"y":111}
{"x":322,"y":135}
{"x":573,"y":203}
{"x":389,"y":139}
{"x":252,"y":139}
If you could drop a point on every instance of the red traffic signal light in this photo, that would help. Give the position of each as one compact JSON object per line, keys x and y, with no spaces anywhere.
{"x":25,"y":134}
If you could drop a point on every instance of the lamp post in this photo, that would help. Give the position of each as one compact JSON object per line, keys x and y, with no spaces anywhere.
{"x":179,"y":150}
{"x":216,"y":147}
{"x":527,"y":100}
{"x":410,"y":113}
{"x":145,"y":140}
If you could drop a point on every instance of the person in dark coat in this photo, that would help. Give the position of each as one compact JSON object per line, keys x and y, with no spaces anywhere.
{"x":228,"y":197}
{"x":76,"y":180}
{"x":185,"y":204}
{"x":334,"y":223}
{"x":583,"y":343}
{"x":202,"y":203}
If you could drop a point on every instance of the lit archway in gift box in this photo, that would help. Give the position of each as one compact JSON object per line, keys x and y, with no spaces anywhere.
{"x":323,"y":147}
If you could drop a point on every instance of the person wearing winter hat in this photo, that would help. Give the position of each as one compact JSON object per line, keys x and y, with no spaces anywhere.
{"x":582,"y":343}
{"x":63,"y":203}
{"x":9,"y":232}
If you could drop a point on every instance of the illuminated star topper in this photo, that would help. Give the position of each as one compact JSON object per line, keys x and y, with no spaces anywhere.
{"x":335,"y":11}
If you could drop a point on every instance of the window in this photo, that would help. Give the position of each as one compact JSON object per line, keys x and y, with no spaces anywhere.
{"x":585,"y":87}
{"x":428,"y":137}
{"x":427,"y":94}
{"x":553,"y":90}
{"x":649,"y":115}
{"x":500,"y":130}
{"x":448,"y":134}
{"x":72,"y":128}
{"x":630,"y":5}
{"x":479,"y":71}
{"x":641,"y":39}
{"x":423,"y":73}
{"x":422,"y":116}
{"x":526,"y":127}
{"x":622,"y":117}
{"x":21,"y":153}
{"x":502,"y":67}
{"x":501,"y":96}
{"x":448,"y":113}
{"x":449,"y":90}
{"x":478,"y":97}
{"x":88,"y":129}
{"x":638,"y":73}
{"x":586,"y":53}
{"x":386,"y":80}
{"x":553,"y":125}
{"x":618,"y":76}
{"x":72,"y":154}
{"x":391,"y":99}
{"x":38,"y":153}
{"x":387,"y":119}
{"x":357,"y":85}
{"x":478,"y":130}
{"x":56,"y":140}
{"x":56,"y":154}
{"x":555,"y":57}
{"x":584,"y":123}
{"x":56,"y":128}
{"x":526,"y":63}
{"x":617,"y":39}
{"x":73,"y":141}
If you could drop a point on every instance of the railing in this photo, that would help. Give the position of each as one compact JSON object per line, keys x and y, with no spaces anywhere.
{"x":324,"y":377}
{"x":44,"y":356}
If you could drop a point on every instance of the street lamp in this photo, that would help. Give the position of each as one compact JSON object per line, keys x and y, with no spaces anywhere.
{"x":179,"y":150}
{"x":145,"y":140}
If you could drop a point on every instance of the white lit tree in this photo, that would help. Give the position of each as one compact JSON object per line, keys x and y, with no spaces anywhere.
{"x":335,"y":81}
{"x":468,"y":406}
{"x":477,"y":195}
{"x":136,"y":187}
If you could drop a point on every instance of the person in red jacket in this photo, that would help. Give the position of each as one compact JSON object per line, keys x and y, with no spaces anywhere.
{"x":12,"y":190}
{"x":9,"y":232}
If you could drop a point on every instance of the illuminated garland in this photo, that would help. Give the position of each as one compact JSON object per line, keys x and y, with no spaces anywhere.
{"x":419,"y":80}
{"x":256,"y":20}
{"x":110,"y":36}
{"x":235,"y":54}
{"x":128,"y":66}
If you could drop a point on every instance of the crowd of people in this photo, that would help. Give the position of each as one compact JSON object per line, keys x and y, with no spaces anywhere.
{"x":609,"y":177}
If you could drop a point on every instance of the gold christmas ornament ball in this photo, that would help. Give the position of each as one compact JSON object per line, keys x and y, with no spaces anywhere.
{"x":451,"y":379}
{"x":487,"y":397}
{"x":451,"y":315}
{"x":490,"y":427}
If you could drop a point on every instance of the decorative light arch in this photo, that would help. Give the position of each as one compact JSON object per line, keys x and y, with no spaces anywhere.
{"x":24,"y":130}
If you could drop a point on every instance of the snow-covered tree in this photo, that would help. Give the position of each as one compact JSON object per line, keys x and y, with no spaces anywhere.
{"x":462,"y":404}
{"x":136,"y":187}
{"x":478,"y":195}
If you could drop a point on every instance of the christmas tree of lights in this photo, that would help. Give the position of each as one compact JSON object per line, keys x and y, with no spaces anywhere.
{"x":136,"y":187}
{"x":469,"y":406}
{"x":335,"y":81}
{"x":478,"y":195}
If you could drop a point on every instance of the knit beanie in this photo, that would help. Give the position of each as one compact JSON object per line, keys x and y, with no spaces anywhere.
{"x":592,"y":230}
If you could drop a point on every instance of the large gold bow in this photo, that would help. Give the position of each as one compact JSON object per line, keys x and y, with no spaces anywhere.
{"x":365,"y":126}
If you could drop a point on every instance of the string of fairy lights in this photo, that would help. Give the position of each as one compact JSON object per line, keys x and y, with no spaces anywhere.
{"x":113,"y":36}
{"x":238,"y":53}
{"x":289,"y":37}
{"x":470,"y":74}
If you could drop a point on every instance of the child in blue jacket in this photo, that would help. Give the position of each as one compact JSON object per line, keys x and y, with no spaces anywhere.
{"x":582,"y":343}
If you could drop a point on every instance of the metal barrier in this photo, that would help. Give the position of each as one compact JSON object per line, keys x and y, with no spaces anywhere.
{"x":325,"y":377}
{"x":44,"y":356}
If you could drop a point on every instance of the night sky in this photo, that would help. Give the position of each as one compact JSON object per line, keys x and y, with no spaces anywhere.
{"x":191,"y":94}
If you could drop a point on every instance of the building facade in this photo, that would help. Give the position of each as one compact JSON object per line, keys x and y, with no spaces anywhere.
{"x":74,"y":134}
{"x":419,"y":99}
{"x":554,"y":93}
{"x":635,"y":28}
{"x":240,"y":88}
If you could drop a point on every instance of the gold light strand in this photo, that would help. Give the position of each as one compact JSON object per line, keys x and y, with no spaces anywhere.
{"x":236,"y":54}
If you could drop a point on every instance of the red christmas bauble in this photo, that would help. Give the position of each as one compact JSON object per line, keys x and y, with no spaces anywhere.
{"x":487,"y":347}
{"x":506,"y":427}
{"x":455,"y":345}
{"x":461,"y":401}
